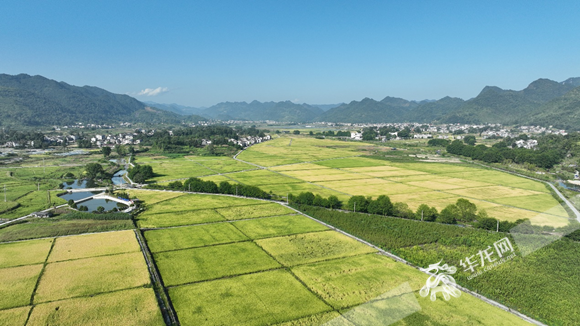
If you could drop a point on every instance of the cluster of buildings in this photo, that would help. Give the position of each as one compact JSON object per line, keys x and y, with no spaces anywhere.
{"x":80,"y":125}
{"x":111,"y":140}
{"x":246,"y":141}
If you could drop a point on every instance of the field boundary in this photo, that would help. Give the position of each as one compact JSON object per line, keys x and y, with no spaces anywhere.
{"x":159,"y":288}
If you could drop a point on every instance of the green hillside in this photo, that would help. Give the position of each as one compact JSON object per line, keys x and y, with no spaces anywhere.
{"x":32,"y":101}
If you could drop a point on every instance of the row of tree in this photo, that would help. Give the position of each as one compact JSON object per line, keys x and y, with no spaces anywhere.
{"x":224,"y":187}
{"x":462,"y":211}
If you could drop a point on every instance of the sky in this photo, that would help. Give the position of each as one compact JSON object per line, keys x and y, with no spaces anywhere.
{"x":199,"y":53}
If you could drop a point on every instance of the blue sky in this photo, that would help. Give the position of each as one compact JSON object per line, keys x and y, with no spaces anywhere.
{"x":199,"y":53}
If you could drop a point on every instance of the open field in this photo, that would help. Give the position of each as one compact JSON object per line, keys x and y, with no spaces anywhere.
{"x":92,"y":245}
{"x":193,"y":202}
{"x":262,"y":177}
{"x":192,"y":236}
{"x":311,"y":247}
{"x":89,"y":276}
{"x":278,"y":226}
{"x":77,"y":291}
{"x":15,"y":316}
{"x":253,"y":211}
{"x":175,"y":168}
{"x":212,"y":262}
{"x":54,"y":227}
{"x":148,"y":220}
{"x":128,"y":307}
{"x":17,"y":284}
{"x":256,"y":299}
{"x":24,"y":253}
{"x":216,"y":275}
{"x":221,"y":164}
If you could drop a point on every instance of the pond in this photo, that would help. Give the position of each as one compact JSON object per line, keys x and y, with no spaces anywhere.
{"x":79,"y":195}
{"x":118,"y":177}
{"x":79,"y":184}
{"x":93,"y":204}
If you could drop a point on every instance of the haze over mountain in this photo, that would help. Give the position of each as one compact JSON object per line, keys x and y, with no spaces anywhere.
{"x":285,"y":111}
{"x":37,"y":101}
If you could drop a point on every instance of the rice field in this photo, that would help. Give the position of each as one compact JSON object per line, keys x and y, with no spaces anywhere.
{"x":212,"y":262}
{"x":24,"y":253}
{"x":88,"y":276}
{"x":193,"y":236}
{"x":17,"y":284}
{"x":256,"y":299}
{"x":92,"y":245}
{"x":16,"y":316}
{"x":129,"y":307}
{"x":92,"y":279}
{"x":287,"y":270}
{"x":254,"y":211}
{"x":175,"y":168}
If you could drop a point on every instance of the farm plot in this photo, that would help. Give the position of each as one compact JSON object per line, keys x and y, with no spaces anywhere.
{"x":262,"y":177}
{"x":177,"y":168}
{"x":153,"y":197}
{"x":322,"y":175}
{"x":212,"y":262}
{"x":371,"y":187}
{"x":257,"y":299}
{"x":17,"y":284}
{"x":298,"y":167}
{"x":278,"y":226}
{"x":24,"y":253}
{"x":92,"y":245}
{"x":159,"y":220}
{"x":254,"y":211}
{"x":221,"y":164}
{"x":128,"y":307}
{"x":296,"y":150}
{"x":193,"y":202}
{"x":311,"y":247}
{"x":284,"y":270}
{"x":82,"y":277}
{"x":16,"y":316}
{"x":296,"y":188}
{"x":192,"y":236}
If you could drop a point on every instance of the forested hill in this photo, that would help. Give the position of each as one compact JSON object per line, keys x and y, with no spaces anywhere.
{"x":544,"y":102}
{"x":32,"y":101}
{"x":286,"y":111}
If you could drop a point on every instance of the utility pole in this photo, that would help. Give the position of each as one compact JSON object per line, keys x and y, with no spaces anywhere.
{"x":4,"y":192}
{"x":421,"y":215}
{"x":43,"y":166}
{"x":497,"y":230}
{"x":236,"y":190}
{"x":189,"y":187}
{"x":355,"y":207}
{"x":38,"y":184}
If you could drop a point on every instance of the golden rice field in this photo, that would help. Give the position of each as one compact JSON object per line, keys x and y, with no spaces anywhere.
{"x":91,"y":279}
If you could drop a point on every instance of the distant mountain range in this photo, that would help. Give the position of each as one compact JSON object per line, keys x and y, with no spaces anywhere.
{"x":37,"y":101}
{"x":31,"y":101}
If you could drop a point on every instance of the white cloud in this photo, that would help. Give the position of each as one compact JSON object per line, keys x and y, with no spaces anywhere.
{"x":153,"y":92}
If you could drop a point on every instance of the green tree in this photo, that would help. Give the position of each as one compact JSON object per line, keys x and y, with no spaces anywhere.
{"x":449,"y":215}
{"x":469,"y":140}
{"x":382,"y":206}
{"x":296,"y":132}
{"x":94,"y":170}
{"x":334,"y":202}
{"x":358,"y":203}
{"x":305,"y":198}
{"x":120,"y":150}
{"x":427,"y":213}
{"x":467,"y":210}
{"x":100,"y":209}
{"x":402,"y":210}
{"x":106,"y":151}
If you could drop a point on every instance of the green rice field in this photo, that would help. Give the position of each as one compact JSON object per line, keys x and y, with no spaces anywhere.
{"x":268,"y":269}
